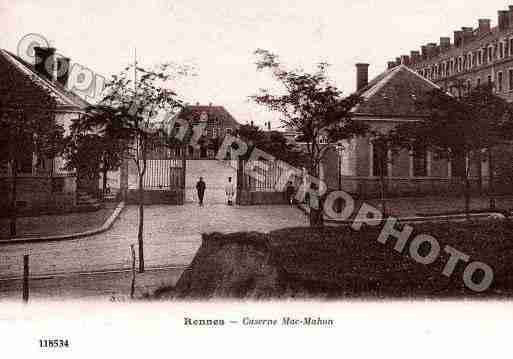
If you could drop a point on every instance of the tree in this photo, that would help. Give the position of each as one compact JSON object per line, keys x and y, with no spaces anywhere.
{"x":128,"y":114}
{"x":456,"y":127}
{"x":27,"y":129}
{"x":310,"y":105}
{"x":91,"y":152}
{"x":271,"y":142}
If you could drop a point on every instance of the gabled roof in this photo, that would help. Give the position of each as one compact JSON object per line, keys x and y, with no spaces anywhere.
{"x":193,"y":114}
{"x":64,"y":98}
{"x":393,"y":93}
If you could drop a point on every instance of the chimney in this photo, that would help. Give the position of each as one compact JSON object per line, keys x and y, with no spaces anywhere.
{"x":503,"y":19}
{"x":63,"y":69}
{"x":468,"y":33}
{"x":484,"y":26}
{"x":362,"y":76}
{"x":423,"y":50}
{"x":391,"y":65}
{"x":414,"y":56}
{"x":433,"y":49}
{"x":445,"y":43}
{"x":458,"y":38}
{"x":45,"y":61}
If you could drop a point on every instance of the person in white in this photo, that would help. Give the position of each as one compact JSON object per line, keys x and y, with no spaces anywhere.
{"x":230,"y":191}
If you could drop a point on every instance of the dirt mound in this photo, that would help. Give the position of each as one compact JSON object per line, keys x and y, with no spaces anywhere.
{"x":236,"y":265}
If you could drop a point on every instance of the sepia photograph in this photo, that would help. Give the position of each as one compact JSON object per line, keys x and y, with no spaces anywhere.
{"x":172,"y":170}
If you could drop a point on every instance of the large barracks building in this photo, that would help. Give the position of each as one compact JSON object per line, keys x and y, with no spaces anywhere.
{"x":472,"y":57}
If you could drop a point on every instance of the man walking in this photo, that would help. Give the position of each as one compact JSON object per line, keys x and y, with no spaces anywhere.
{"x":200,"y":188}
{"x":230,"y":191}
{"x":289,"y":193}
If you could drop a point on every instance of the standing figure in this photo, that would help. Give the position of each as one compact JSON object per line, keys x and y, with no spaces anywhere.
{"x":200,"y":188}
{"x":230,"y":191}
{"x":314,"y":202}
{"x":289,"y":193}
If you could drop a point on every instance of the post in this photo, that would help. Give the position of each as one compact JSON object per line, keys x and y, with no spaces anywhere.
{"x":25,"y":278}
{"x":132,"y":287}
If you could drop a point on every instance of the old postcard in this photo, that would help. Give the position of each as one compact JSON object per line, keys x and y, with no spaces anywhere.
{"x":273,"y":178}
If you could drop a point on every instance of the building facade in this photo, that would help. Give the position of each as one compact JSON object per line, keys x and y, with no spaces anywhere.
{"x":475,"y":56}
{"x":44,"y":185}
{"x":389,"y":100}
{"x":212,"y":123}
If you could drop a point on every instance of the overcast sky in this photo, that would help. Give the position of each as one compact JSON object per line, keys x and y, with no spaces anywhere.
{"x":219,"y":37}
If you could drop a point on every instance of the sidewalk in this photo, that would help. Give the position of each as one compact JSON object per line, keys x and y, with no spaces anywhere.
{"x":59,"y":226}
{"x":406,"y":207}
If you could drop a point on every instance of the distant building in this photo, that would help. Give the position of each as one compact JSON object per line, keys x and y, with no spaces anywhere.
{"x":475,"y":56}
{"x":214,"y":121}
{"x":44,"y":184}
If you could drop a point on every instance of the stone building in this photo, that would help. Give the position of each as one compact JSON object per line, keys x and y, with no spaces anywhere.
{"x":475,"y":56}
{"x":388,"y":100}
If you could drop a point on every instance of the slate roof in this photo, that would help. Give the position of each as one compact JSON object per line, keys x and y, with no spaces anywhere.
{"x":393,"y":94}
{"x":192,"y":113}
{"x":30,"y":83}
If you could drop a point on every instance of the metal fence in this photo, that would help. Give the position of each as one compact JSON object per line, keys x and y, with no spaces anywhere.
{"x":266,"y":176}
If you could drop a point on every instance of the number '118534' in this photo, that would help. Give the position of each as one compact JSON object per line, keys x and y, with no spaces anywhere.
{"x":53,"y":343}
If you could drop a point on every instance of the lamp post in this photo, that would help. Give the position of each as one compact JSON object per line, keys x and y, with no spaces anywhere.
{"x":340,"y":150}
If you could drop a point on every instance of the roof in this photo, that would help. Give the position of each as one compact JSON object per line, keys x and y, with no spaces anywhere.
{"x":477,"y":42}
{"x":193,"y":113}
{"x":64,"y":98}
{"x":393,"y":93}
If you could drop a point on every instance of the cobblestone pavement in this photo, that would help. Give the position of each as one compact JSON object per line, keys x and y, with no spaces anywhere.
{"x":172,"y":237}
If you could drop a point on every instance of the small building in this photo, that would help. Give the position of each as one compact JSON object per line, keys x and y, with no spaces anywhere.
{"x":388,"y":100}
{"x":44,"y":185}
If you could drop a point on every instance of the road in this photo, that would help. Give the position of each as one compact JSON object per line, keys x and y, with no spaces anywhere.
{"x":172,"y":237}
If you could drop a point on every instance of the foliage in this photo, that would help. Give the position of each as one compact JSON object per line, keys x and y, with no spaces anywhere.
{"x":270,"y":142}
{"x":310,"y":105}
{"x":27,"y":128}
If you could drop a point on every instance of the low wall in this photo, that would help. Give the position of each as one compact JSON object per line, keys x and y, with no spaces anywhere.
{"x":40,"y":195}
{"x":248,"y":198}
{"x":366,"y":187}
{"x":174,"y":197}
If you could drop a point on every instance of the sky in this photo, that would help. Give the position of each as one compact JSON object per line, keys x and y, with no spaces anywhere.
{"x":219,"y":37}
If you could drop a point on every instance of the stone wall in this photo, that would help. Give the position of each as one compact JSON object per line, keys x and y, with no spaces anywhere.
{"x":248,"y":198}
{"x":368,"y":187}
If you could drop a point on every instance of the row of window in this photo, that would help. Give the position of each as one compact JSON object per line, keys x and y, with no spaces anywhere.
{"x":501,"y":83}
{"x":472,"y":59}
{"x":380,"y":162}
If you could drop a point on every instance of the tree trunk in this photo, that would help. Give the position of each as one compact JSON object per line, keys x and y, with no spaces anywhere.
{"x":104,"y":185}
{"x":491,"y":187}
{"x":383,"y":196}
{"x":141,"y":224}
{"x":467,"y":195}
{"x":13,"y":208}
